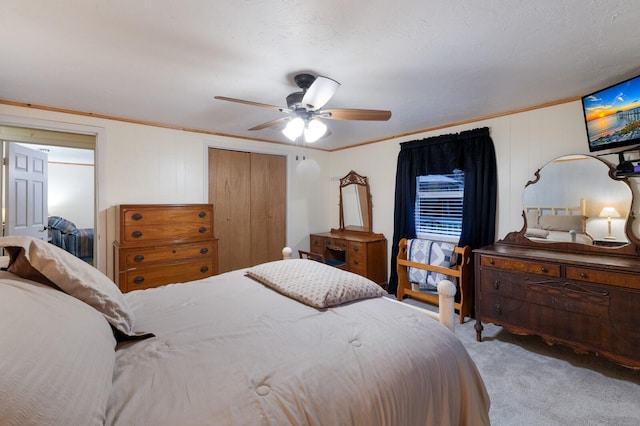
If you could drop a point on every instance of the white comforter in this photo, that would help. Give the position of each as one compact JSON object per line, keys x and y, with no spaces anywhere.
{"x":229,"y":351}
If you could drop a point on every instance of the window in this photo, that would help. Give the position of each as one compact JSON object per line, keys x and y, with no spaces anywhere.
{"x":438,"y":209}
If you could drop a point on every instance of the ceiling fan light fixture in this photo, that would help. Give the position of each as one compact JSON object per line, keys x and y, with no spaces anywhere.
{"x":294,"y":129}
{"x":314,"y":130}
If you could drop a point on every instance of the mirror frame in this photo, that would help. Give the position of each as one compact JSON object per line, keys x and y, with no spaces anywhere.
{"x":630,"y":249}
{"x":353,"y":178}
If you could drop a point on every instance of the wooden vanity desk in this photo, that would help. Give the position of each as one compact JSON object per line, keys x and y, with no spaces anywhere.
{"x":585,"y":296}
{"x":355,"y":243}
{"x":365,"y":254}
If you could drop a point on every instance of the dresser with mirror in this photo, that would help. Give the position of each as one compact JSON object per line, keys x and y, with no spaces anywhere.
{"x":354,"y":243}
{"x":571,"y":275}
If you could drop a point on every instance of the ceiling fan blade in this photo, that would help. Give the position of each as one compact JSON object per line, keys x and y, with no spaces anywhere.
{"x":319,"y":93}
{"x":258,"y":104}
{"x":270,"y":123}
{"x":356,"y":114}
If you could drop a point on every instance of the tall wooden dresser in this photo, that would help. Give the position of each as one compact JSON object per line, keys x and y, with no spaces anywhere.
{"x":365,"y":254}
{"x":159,"y":244}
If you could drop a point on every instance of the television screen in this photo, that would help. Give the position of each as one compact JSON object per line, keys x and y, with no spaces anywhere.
{"x":612,"y":115}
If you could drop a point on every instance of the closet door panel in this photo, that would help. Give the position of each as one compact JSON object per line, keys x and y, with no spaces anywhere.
{"x":230,"y":194}
{"x":268,"y":207}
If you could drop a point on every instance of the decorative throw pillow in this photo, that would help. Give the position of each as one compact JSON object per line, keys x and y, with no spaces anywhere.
{"x":436,"y":253}
{"x":71,"y":275}
{"x":313,"y":283}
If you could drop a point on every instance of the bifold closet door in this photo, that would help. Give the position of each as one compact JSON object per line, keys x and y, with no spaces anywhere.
{"x":248,"y":193}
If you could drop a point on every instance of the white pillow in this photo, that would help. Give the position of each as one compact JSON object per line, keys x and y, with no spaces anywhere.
{"x":72,"y":275}
{"x":313,"y":283}
{"x":57,"y":357}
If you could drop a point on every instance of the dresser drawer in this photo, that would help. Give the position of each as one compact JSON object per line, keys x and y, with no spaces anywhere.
{"x":142,"y":278}
{"x":502,"y":310}
{"x":603,"y":277}
{"x":159,"y":215}
{"x":140,"y":224}
{"x":503,"y":283}
{"x":519,"y":265}
{"x":142,"y":256}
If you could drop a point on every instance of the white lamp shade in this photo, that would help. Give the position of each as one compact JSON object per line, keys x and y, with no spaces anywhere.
{"x":609,"y":212}
{"x":314,"y":131}
{"x":294,"y":128}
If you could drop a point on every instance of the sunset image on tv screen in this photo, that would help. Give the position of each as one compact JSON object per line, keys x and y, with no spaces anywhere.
{"x":612,"y":115}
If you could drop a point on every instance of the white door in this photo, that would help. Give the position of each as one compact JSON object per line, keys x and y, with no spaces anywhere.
{"x":26,"y":203}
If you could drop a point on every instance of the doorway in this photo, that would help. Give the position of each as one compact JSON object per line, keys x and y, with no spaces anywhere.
{"x":70,"y":189}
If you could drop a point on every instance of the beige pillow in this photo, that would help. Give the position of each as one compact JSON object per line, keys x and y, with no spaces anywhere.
{"x":536,"y":233}
{"x":57,"y":356}
{"x":563,"y":223}
{"x":71,"y":275}
{"x":532,"y":217}
{"x":313,"y":283}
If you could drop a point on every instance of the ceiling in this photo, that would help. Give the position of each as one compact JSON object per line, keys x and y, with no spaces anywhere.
{"x":431,"y":63}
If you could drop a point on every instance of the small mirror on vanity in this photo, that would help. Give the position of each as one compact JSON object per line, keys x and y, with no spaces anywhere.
{"x":575,"y":199}
{"x":355,"y":203}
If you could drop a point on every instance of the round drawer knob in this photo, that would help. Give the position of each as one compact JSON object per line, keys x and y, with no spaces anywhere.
{"x":496,"y":284}
{"x":202,"y":214}
{"x":202,"y":230}
{"x":138,"y":258}
{"x":204,"y":269}
{"x":492,"y":262}
{"x":138,"y":280}
{"x":204,"y":250}
{"x":355,"y":248}
{"x":136,"y":216}
{"x":544,"y":270}
{"x":136,"y":234}
{"x":583,"y":275}
{"x":499,"y":309}
{"x":355,"y":262}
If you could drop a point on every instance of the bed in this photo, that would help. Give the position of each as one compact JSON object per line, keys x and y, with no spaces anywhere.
{"x":247,"y":347}
{"x":558,"y":223}
{"x":77,"y":241}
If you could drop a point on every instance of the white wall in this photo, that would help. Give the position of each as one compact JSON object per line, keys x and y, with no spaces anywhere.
{"x":524,"y":142}
{"x":145,"y":164}
{"x":71,"y":193}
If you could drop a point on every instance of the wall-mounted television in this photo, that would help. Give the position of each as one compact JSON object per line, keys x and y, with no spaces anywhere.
{"x":612,"y":115}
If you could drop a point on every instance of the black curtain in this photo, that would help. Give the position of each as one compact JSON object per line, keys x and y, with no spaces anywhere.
{"x":472,"y":152}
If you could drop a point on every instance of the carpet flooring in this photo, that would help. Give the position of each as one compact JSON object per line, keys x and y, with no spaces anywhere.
{"x":532,"y":383}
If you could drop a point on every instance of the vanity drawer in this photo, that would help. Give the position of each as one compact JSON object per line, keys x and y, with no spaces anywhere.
{"x":357,"y":258}
{"x":337,"y":244}
{"x":317,"y":244}
{"x":603,"y":277}
{"x":520,"y":265}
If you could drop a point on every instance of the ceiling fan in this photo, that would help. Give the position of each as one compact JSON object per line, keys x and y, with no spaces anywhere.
{"x":304,"y":109}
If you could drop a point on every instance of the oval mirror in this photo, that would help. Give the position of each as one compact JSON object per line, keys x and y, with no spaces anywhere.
{"x":355,"y":203}
{"x":574,"y":199}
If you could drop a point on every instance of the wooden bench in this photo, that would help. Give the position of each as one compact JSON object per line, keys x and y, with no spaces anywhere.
{"x":461,"y":273}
